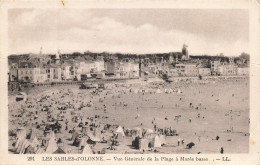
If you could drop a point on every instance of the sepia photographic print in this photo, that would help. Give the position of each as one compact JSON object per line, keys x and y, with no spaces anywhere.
{"x":128,"y":81}
{"x":121,"y":81}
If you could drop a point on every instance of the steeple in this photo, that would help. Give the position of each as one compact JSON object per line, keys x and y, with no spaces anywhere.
{"x":40,"y":53}
{"x":57,"y":57}
{"x":185,"y":51}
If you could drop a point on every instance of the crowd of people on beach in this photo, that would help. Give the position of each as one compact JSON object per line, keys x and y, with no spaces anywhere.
{"x":45,"y":121}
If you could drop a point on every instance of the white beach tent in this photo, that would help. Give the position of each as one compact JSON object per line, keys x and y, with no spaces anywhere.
{"x":97,"y":134}
{"x":74,"y":136}
{"x":136,"y":132}
{"x":148,"y":132}
{"x":156,"y":142}
{"x":120,"y":130}
{"x":162,"y":139}
{"x":143,"y":144}
{"x":83,"y":142}
{"x":158,"y":91}
{"x":51,"y":147}
{"x":93,"y":138}
{"x":87,"y":150}
{"x":21,"y":132}
{"x":22,"y":146}
{"x":39,"y":150}
{"x":34,"y":142}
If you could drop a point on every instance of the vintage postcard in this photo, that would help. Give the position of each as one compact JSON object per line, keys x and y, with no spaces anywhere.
{"x":130,"y":82}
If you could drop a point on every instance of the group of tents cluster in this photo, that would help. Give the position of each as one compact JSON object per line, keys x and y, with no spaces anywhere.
{"x":30,"y":144}
{"x":84,"y":140}
{"x":146,"y":138}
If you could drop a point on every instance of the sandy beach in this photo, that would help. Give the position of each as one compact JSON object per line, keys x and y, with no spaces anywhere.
{"x":198,"y":111}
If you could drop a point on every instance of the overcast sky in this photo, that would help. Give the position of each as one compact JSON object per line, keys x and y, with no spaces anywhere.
{"x":129,"y":30}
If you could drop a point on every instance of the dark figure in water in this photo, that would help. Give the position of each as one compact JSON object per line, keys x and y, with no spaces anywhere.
{"x":221,"y":150}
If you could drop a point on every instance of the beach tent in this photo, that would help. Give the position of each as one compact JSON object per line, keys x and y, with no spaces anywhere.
{"x":32,"y":134}
{"x":34,"y":142}
{"x":76,"y":141}
{"x":120,"y":131}
{"x":82,"y":142}
{"x":52,"y":146}
{"x":136,"y":132}
{"x":29,"y":150}
{"x":85,"y":129}
{"x":49,"y":134}
{"x":97,"y":134}
{"x":103,"y":151}
{"x":135,"y":142}
{"x":22,"y":146}
{"x":87,"y":150}
{"x":45,"y":141}
{"x":59,"y":151}
{"x":143,"y":144}
{"x":93,"y":138}
{"x":158,"y":91}
{"x":39,"y":150}
{"x":156,"y":142}
{"x":148,"y":133}
{"x":21,"y":132}
{"x":18,"y":142}
{"x":162,"y":139}
{"x":119,"y":137}
{"x":74,"y":136}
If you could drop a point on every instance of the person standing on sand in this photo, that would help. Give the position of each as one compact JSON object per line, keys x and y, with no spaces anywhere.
{"x":199,"y":138}
{"x":221,"y":150}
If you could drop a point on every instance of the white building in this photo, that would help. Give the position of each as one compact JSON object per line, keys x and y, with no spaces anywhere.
{"x":243,"y":71}
{"x":204,"y":71}
{"x":227,"y":70}
{"x":127,"y":70}
{"x":214,"y":65}
{"x":187,"y":69}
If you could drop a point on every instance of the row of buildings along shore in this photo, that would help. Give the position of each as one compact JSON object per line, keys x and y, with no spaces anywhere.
{"x":43,"y":68}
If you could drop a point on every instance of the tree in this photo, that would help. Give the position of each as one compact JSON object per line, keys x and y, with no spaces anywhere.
{"x":244,"y":56}
{"x":75,"y":78}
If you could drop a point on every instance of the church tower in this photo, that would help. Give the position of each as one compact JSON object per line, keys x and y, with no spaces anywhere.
{"x":185,"y":52}
{"x":57,"y":57}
